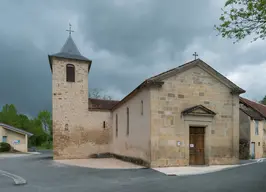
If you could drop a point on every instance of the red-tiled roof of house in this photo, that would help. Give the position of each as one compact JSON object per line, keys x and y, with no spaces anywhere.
{"x":101,"y":104}
{"x":260,"y":108}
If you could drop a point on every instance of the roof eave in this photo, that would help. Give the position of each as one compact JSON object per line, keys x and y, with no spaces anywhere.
{"x":50,"y":62}
{"x":238,"y":91}
{"x":252,"y":117}
{"x":132,"y":93}
{"x":10,"y":128}
{"x":247,"y":104}
{"x":51,"y":56}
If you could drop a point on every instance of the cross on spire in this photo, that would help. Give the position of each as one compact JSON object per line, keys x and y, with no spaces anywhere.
{"x":195,"y":55}
{"x":69,"y":30}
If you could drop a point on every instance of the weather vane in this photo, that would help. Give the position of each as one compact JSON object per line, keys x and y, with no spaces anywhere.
{"x":195,"y":55}
{"x":69,"y":30}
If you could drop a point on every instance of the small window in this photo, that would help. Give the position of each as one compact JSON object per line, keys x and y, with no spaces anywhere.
{"x":70,"y":73}
{"x":4,"y":139}
{"x":141,"y":107}
{"x":256,"y":128}
{"x":258,"y":143}
{"x":127,"y":121}
{"x":116,"y":125}
{"x":104,"y":124}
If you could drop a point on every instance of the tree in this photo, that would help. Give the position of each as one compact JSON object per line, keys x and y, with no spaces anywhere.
{"x":98,"y":94}
{"x":263,"y":101}
{"x":39,"y":136}
{"x":10,"y":116}
{"x":241,"y":18}
{"x":45,"y":118}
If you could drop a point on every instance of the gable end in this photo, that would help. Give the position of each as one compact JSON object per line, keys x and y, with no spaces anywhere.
{"x":204,"y":66}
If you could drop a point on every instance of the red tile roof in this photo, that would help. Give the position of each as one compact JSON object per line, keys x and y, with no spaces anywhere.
{"x":260,"y":108}
{"x":101,"y":104}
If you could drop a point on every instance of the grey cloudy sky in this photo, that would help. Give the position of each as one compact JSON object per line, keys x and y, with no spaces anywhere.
{"x":128,"y":41}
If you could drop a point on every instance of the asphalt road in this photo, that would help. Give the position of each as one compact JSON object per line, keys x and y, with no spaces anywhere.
{"x":43,"y":175}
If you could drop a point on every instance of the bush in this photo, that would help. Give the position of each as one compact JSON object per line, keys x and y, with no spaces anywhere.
{"x":46,"y":145}
{"x":5,"y":147}
{"x":244,"y":149}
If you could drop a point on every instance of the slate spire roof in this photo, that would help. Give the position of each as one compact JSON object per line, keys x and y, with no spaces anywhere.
{"x":69,"y":51}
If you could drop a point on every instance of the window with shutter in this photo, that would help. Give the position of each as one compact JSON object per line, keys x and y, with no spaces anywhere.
{"x":70,"y":73}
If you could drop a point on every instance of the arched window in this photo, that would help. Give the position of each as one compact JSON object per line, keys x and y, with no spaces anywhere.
{"x":70,"y":73}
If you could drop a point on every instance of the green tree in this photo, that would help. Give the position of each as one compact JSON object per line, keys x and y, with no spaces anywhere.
{"x":24,"y":122}
{"x":241,"y":18}
{"x":45,"y":118}
{"x":39,"y":136}
{"x":263,"y":101}
{"x":9,"y":115}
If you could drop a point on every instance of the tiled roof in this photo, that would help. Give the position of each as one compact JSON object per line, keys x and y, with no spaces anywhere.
{"x":15,"y":129}
{"x":101,"y":104}
{"x":251,"y":112}
{"x":260,"y":108}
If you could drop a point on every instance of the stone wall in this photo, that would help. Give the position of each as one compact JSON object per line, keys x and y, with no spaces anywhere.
{"x":193,"y":87}
{"x":137,"y":143}
{"x":77,"y":132}
{"x":244,"y":125}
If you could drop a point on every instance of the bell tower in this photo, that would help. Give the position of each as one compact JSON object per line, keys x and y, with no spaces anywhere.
{"x":69,"y":97}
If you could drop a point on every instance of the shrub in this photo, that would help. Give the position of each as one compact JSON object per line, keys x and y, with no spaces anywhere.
{"x":5,"y":147}
{"x":46,"y":145}
{"x":244,"y":149}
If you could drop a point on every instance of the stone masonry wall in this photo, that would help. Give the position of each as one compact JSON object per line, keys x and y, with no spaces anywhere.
{"x":77,"y":132}
{"x":193,"y":87}
{"x":244,"y":125}
{"x":137,"y":143}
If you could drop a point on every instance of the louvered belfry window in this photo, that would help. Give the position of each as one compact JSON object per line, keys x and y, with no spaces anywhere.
{"x":70,"y":73}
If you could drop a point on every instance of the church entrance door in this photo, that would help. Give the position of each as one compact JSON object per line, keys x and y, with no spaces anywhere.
{"x":196,"y":145}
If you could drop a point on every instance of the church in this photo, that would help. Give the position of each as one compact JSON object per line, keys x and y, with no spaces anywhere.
{"x":188,"y":115}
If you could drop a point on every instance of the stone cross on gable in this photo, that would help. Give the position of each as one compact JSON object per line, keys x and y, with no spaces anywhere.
{"x":195,"y":55}
{"x":69,"y":30}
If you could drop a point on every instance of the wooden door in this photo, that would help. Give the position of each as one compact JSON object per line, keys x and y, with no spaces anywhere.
{"x":196,"y":146}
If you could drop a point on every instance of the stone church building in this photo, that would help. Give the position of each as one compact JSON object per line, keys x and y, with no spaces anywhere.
{"x":188,"y":115}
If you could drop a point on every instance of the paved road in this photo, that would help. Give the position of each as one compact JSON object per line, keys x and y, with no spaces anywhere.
{"x":43,"y":175}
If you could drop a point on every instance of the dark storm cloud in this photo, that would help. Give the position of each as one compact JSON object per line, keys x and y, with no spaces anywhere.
{"x":128,"y":41}
{"x":133,"y":29}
